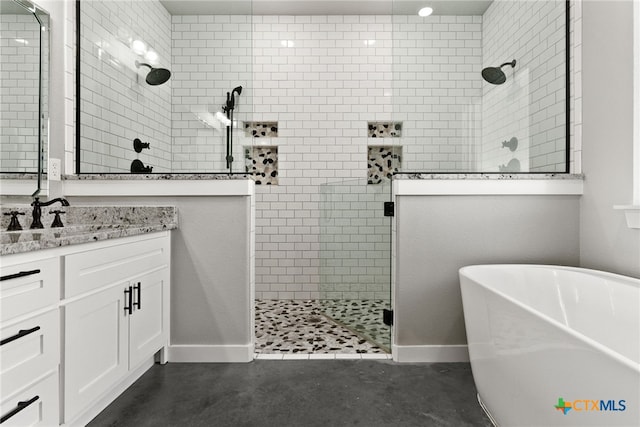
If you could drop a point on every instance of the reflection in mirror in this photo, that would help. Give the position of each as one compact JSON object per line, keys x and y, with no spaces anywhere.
{"x":24,"y":87}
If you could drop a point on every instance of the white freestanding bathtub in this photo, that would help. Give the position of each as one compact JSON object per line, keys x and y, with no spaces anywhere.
{"x":553,"y":346}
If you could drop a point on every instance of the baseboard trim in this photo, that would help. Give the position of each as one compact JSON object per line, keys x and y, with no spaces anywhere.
{"x":430,"y":353}
{"x":211,"y":353}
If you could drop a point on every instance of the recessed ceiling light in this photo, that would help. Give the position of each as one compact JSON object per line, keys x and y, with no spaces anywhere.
{"x":425,"y":11}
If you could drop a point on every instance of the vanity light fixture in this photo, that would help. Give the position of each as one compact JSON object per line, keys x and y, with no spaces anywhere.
{"x":425,"y":11}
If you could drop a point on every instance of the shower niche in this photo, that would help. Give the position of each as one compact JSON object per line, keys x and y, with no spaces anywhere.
{"x":382,"y":162}
{"x":261,"y":163}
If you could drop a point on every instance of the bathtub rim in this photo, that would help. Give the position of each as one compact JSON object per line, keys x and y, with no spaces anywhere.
{"x":635,"y":366}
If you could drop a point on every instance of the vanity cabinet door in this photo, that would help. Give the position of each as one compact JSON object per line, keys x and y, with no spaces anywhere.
{"x":95,"y":355}
{"x":148,"y":326}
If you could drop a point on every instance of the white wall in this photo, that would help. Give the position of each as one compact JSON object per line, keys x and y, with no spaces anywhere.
{"x":437,"y":235}
{"x":606,"y":242}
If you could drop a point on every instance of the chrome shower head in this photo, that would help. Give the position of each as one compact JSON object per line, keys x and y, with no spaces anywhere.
{"x":495,"y":75}
{"x":156,"y":76}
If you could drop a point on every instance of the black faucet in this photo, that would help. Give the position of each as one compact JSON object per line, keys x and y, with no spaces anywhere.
{"x":37,"y":212}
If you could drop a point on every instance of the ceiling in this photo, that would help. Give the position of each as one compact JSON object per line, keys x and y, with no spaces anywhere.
{"x":323,"y":7}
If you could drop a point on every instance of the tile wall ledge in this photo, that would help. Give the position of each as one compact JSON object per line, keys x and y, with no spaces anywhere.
{"x":500,"y":184}
{"x":188,"y":185}
{"x":22,"y":175}
{"x":154,"y":176}
{"x":489,"y":176}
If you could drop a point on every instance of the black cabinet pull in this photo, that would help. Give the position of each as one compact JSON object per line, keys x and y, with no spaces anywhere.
{"x":20,"y":407}
{"x":21,"y":333}
{"x":128,"y":295}
{"x":137,"y":304}
{"x":16,"y":275}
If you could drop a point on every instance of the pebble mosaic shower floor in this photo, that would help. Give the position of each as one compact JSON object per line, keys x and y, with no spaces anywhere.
{"x":320,"y":327}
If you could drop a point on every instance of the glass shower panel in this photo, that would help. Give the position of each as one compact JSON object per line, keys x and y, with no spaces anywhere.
{"x":454,"y":120}
{"x":355,"y":257}
{"x":184,"y":119}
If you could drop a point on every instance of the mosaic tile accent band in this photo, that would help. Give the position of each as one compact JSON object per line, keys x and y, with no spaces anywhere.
{"x":384,"y":129}
{"x":261,"y":129}
{"x":383,"y":161}
{"x":262,"y":163}
{"x":300,"y":327}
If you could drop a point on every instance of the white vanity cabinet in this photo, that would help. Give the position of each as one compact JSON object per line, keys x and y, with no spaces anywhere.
{"x":30,"y":340}
{"x":115,"y":315}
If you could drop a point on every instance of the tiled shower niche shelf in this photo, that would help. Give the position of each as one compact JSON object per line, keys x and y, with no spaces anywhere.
{"x":383,"y":161}
{"x":384,"y":129}
{"x":262,"y":164}
{"x":261,"y":129}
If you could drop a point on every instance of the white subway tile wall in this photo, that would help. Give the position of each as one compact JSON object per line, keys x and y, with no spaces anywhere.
{"x":211,"y":56}
{"x":530,"y":105}
{"x":322,"y":78}
{"x":117,"y":105}
{"x":19,"y":102}
{"x":437,"y":91}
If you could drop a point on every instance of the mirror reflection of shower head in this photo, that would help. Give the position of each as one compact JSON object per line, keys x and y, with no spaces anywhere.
{"x":495,"y":75}
{"x":156,"y":76}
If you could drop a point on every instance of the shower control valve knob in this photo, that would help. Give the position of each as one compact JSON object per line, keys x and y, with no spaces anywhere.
{"x":138,"y":145}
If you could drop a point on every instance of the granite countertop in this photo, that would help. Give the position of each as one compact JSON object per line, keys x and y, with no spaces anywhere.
{"x":489,"y":176}
{"x":156,"y":176}
{"x":85,"y":224}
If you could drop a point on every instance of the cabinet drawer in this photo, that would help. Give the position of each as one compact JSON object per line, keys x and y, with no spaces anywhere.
{"x":34,"y":406}
{"x":28,"y":287}
{"x":94,"y":269}
{"x":29,"y":350}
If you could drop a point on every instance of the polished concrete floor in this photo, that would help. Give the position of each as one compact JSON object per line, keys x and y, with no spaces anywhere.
{"x":300,"y":393}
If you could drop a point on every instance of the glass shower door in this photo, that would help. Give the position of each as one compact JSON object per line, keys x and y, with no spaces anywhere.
{"x":355,"y":258}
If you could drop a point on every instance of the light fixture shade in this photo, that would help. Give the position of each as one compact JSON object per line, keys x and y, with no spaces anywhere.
{"x":425,"y":11}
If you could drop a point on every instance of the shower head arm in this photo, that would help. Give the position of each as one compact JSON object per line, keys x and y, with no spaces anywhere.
{"x":139,"y":64}
{"x":512,"y":63}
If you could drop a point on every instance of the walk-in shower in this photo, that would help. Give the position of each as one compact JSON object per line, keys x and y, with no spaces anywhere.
{"x":495,"y":75}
